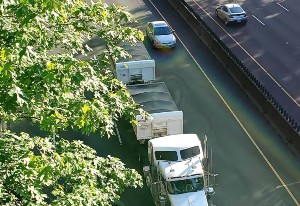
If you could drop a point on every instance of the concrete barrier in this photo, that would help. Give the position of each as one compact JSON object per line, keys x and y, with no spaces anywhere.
{"x":275,"y":114}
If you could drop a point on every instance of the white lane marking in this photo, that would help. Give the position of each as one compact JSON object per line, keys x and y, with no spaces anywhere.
{"x":258,"y":20}
{"x":282,"y":6}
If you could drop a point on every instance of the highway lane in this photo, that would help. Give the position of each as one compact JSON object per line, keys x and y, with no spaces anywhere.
{"x":245,"y":176}
{"x":268,"y":45}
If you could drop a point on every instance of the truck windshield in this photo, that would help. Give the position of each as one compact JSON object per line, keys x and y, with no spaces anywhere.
{"x":189,"y":152}
{"x":185,"y":186}
{"x":166,"y":155}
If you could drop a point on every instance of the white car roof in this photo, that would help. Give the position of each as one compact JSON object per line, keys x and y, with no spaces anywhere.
{"x":159,"y":23}
{"x":232,"y":5}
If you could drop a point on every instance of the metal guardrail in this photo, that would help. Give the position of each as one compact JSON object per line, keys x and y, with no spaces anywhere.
{"x":276,"y":114}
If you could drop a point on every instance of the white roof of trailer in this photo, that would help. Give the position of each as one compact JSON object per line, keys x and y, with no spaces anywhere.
{"x":137,"y":51}
{"x":154,"y":97}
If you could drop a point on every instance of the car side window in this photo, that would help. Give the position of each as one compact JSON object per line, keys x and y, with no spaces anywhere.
{"x":225,"y":9}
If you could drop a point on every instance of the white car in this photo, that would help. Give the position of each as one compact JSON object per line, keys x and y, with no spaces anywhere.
{"x":160,"y":34}
{"x":231,"y":13}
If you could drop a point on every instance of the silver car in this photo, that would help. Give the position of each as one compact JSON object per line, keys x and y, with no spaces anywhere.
{"x":231,"y":13}
{"x":160,"y":34}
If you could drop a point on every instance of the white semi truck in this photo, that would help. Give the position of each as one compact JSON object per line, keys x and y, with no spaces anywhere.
{"x":173,"y":162}
{"x":140,"y":68}
{"x":175,"y":174}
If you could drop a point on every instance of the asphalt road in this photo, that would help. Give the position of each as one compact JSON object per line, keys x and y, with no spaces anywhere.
{"x":268,"y":45}
{"x":255,"y":167}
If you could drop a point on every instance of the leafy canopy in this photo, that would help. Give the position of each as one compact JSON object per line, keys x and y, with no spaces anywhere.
{"x":34,"y":171}
{"x":41,"y":79}
{"x":40,"y":76}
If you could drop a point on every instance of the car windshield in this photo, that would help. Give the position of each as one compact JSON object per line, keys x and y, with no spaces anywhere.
{"x":162,"y":31}
{"x":185,"y":186}
{"x":234,"y":10}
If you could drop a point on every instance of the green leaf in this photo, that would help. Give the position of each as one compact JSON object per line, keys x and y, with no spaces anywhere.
{"x":3,"y":54}
{"x":85,"y":109}
{"x":50,"y":66}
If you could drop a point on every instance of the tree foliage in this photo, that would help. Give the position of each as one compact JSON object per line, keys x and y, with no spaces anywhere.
{"x":41,"y":79}
{"x":34,"y":171}
{"x":40,"y":76}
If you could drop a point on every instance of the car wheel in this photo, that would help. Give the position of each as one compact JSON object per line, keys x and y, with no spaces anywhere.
{"x":226,"y":21}
{"x":153,"y":45}
{"x":216,"y":12}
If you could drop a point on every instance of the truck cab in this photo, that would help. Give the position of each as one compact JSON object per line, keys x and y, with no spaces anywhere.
{"x":184,"y":182}
{"x":176,"y":171}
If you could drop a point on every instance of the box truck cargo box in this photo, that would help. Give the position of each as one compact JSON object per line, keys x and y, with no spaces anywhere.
{"x":140,"y":68}
{"x":156,"y":99}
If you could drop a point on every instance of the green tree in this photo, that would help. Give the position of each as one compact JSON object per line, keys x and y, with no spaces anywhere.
{"x":34,"y":171}
{"x":40,"y":77}
{"x":42,"y":80}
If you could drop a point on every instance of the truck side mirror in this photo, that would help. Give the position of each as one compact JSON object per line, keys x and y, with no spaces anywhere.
{"x":210,"y":191}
